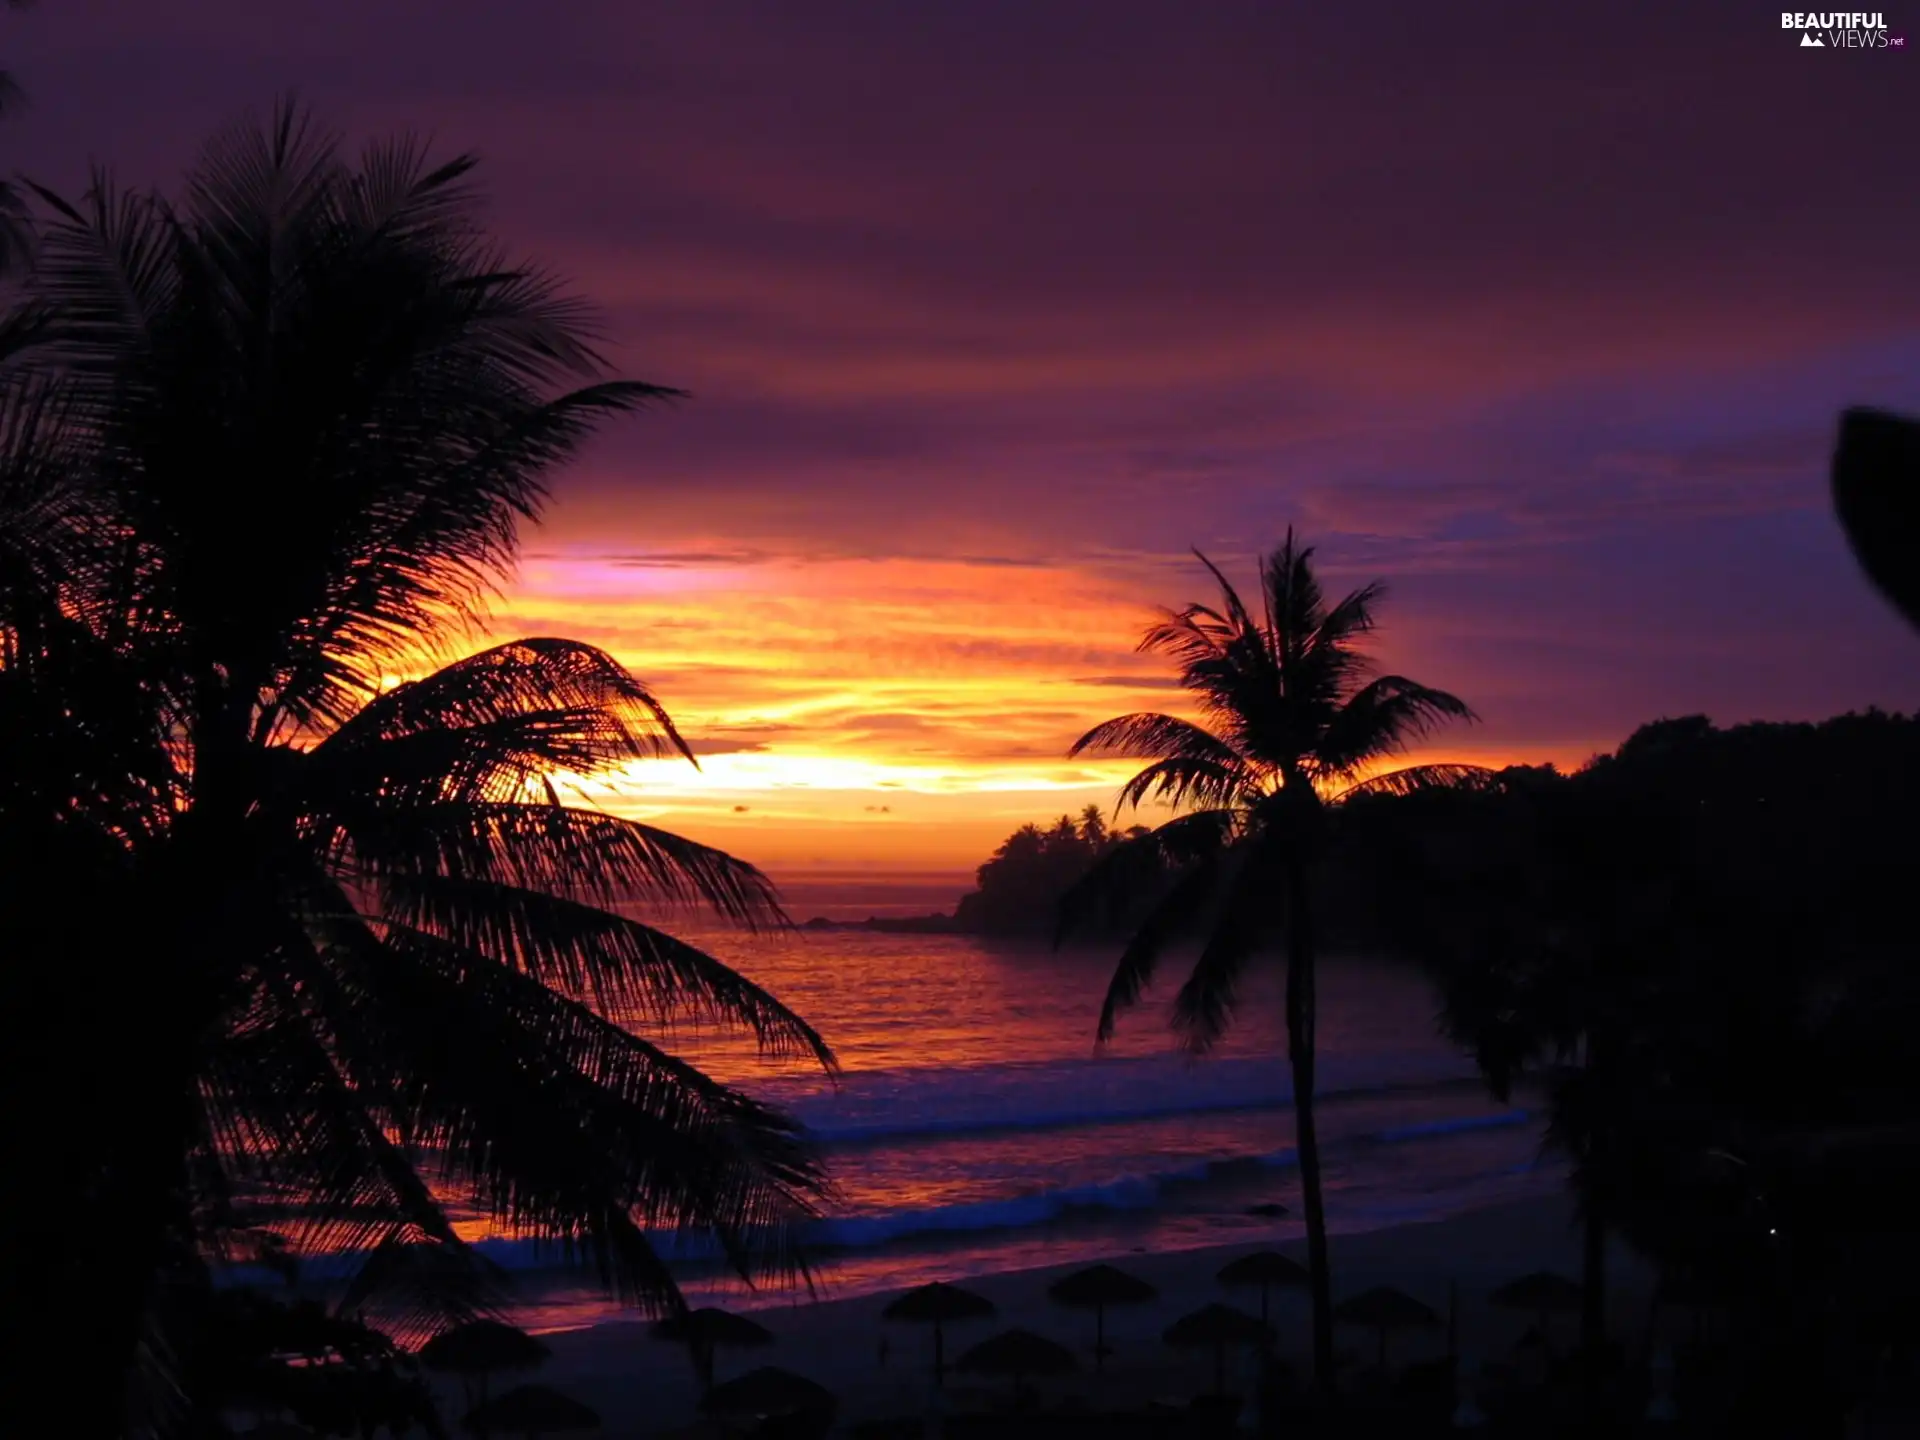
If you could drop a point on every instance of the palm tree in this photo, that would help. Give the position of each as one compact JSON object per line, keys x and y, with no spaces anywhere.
{"x":1093,"y":828}
{"x":1520,"y":924}
{"x":292,"y":948}
{"x":1291,"y":726}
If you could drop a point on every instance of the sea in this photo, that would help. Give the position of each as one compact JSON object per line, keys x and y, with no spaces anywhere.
{"x":974,"y":1126}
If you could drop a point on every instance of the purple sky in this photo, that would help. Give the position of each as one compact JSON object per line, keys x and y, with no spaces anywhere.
{"x":1544,"y":312}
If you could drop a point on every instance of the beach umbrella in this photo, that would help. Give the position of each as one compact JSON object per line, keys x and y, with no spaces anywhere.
{"x":1265,"y":1269}
{"x":1216,"y":1327}
{"x":1094,"y":1289}
{"x":938,"y":1305}
{"x":479,"y":1349}
{"x":765,"y":1392}
{"x":532,"y":1410}
{"x":1541,"y":1293}
{"x":1018,"y":1354}
{"x":708,"y":1329}
{"x":1384,"y":1309}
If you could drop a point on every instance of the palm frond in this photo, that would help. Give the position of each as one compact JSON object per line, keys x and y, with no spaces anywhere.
{"x":1417,"y":779}
{"x":279,"y":1108}
{"x":1132,"y":871}
{"x":1294,"y":603}
{"x":627,"y":970}
{"x":1193,"y":636}
{"x":1244,"y":911}
{"x":563,"y":1125}
{"x":1150,"y":736}
{"x":104,"y":277}
{"x":374,"y":613}
{"x":487,"y":727}
{"x":556,"y":849}
{"x":417,"y":1286}
{"x":1181,"y":781}
{"x":46,"y":542}
{"x":1382,"y":719}
{"x":1174,"y":915}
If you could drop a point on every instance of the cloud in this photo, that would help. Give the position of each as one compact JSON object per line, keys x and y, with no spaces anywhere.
{"x":1557,"y":355}
{"x":1130,"y":682}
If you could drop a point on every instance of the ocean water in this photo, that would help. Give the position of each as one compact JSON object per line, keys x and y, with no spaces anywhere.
{"x":974,"y":1125}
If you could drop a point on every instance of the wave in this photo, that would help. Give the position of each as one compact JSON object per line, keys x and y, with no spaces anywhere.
{"x":876,"y":1107}
{"x":863,"y":1232}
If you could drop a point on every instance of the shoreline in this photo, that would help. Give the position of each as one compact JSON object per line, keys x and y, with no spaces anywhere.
{"x":643,"y":1386}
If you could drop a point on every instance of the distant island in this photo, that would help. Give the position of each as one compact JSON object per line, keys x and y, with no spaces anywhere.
{"x":894,"y":924}
{"x":1018,"y":890}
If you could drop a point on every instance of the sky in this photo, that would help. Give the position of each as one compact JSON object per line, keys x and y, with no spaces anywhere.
{"x":990,"y":311}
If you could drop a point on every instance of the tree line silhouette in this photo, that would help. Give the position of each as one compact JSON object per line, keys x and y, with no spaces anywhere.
{"x":1019,"y":888}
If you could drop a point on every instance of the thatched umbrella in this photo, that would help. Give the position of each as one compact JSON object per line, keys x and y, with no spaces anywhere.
{"x":1385,"y":1309}
{"x":765,"y":1392}
{"x":938,"y":1305}
{"x":1216,"y":1327}
{"x":1094,"y":1289}
{"x":1018,"y":1354}
{"x":1541,"y":1293}
{"x":479,"y":1349}
{"x":1266,"y":1269}
{"x":709,"y":1329}
{"x":533,"y":1411}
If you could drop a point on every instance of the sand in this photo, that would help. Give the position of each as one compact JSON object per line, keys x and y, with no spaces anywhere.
{"x":645,"y":1387}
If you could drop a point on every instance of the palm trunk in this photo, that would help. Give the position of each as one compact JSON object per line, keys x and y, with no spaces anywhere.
{"x":1300,"y":1051}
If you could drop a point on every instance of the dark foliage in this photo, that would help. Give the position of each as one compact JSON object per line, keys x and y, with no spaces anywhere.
{"x":294,"y":951}
{"x":1020,"y":888}
{"x":1702,"y":946}
{"x":1294,"y":726}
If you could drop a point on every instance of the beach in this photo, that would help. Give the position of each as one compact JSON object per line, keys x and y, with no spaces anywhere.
{"x":644,"y":1386}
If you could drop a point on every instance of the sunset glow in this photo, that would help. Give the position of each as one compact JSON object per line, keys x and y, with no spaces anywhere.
{"x":901,"y":714}
{"x":965,"y":381}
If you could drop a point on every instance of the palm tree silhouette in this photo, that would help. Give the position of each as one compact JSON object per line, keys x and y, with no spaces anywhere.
{"x":1290,"y":727}
{"x":1549,"y":903}
{"x":322,"y":942}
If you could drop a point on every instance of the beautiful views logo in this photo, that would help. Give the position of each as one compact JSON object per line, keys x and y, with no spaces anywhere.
{"x":1841,"y":30}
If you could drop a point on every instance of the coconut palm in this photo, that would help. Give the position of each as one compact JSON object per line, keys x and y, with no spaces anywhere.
{"x":1291,"y":725}
{"x":328,"y":951}
{"x":1547,"y":927}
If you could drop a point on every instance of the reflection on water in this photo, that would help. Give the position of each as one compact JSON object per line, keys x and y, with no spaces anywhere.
{"x":975,"y":1127}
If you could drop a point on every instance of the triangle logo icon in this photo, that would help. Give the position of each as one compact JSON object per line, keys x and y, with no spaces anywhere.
{"x":1809,"y":42}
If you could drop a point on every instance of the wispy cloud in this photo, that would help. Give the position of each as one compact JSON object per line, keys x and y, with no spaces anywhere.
{"x":1532,"y":329}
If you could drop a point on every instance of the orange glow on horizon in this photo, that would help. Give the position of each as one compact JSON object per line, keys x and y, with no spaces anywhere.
{"x":886,"y":715}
